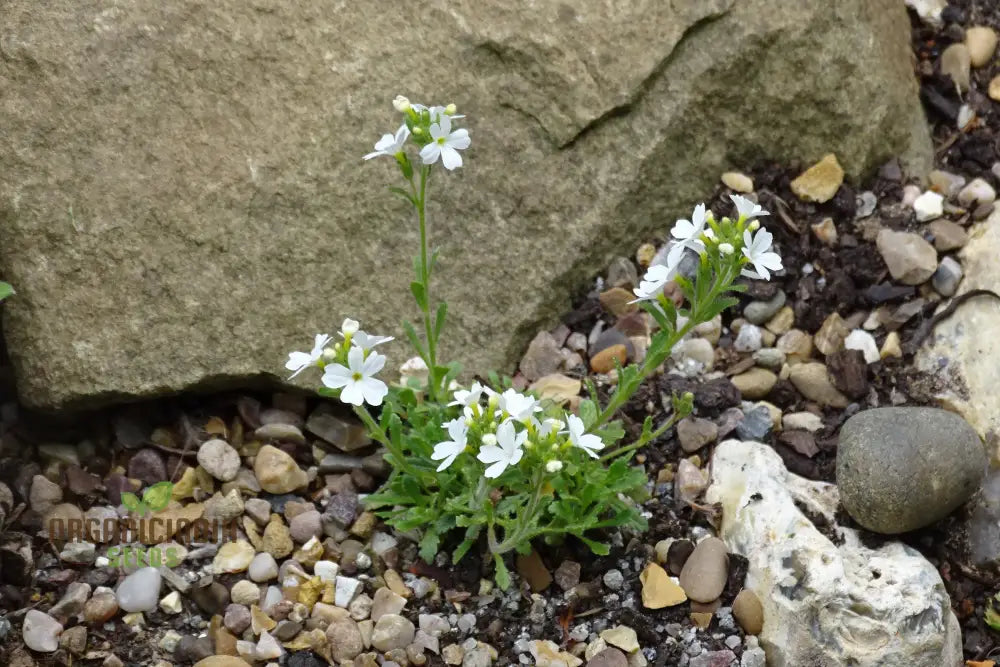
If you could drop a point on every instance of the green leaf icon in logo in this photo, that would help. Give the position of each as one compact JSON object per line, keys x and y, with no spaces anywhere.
{"x":131,"y":501}
{"x":157,"y":497}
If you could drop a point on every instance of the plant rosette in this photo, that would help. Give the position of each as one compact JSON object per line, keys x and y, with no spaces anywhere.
{"x":492,"y":463}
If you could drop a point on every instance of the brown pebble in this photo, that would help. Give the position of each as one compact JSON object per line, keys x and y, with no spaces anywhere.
{"x":534,"y":571}
{"x":677,"y":555}
{"x":748,"y":612}
{"x":604,"y":361}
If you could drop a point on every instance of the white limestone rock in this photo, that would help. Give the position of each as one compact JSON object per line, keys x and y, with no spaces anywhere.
{"x":827,"y":605}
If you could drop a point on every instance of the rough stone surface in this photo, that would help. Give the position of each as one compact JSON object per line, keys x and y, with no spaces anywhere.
{"x":826,"y":604}
{"x":899,"y":469}
{"x":224,"y":194}
{"x":957,"y":352}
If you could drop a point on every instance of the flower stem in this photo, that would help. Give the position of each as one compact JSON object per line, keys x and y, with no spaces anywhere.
{"x":425,"y":279}
{"x":652,"y":362}
{"x":380,"y":436}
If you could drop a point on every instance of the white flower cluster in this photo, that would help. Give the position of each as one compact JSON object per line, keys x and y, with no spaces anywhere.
{"x":698,"y":231}
{"x":441,"y":142}
{"x":505,"y":426}
{"x":351,"y":365}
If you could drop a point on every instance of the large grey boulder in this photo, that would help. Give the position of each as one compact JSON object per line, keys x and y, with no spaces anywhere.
{"x":182,"y":197}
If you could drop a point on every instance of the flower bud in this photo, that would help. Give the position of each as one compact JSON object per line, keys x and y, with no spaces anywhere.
{"x":350,"y":326}
{"x":330,"y":354}
{"x":554,"y":466}
{"x":417,"y":130}
{"x":489,"y":440}
{"x":726,"y":248}
{"x":709,"y":234}
{"x":451,"y":109}
{"x":754,"y":225}
{"x":401,"y":104}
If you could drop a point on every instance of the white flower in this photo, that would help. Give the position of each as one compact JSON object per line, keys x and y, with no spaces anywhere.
{"x":445,"y":144}
{"x":547,"y":427}
{"x":506,"y":452}
{"x":366,"y":341}
{"x":469,"y":397}
{"x":299,"y":361}
{"x":588,"y":442}
{"x":356,"y":379}
{"x":726,"y":248}
{"x":401,"y":104}
{"x":517,"y":405}
{"x":688,"y":234}
{"x":450,"y":449}
{"x":553,"y":466}
{"x":390,"y":145}
{"x":349,"y":327}
{"x":758,"y":250}
{"x":651,"y":285}
{"x":747,"y":209}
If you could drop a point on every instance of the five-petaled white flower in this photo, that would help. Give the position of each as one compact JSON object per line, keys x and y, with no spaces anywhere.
{"x":449,"y":450}
{"x":367,"y":342}
{"x":651,"y":285}
{"x":688,"y":234}
{"x":390,"y":145}
{"x":506,"y":452}
{"x":445,"y":144}
{"x":299,"y":361}
{"x":356,"y":379}
{"x":588,"y":442}
{"x":469,"y":397}
{"x":517,"y":406}
{"x":758,"y":250}
{"x":747,"y":209}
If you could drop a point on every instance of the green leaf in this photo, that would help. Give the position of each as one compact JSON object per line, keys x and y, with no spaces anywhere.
{"x":435,"y":253}
{"x":411,"y":334}
{"x":131,"y":501}
{"x":402,"y":193}
{"x":429,"y":545}
{"x":157,"y":496}
{"x":328,"y":393}
{"x":588,"y":412}
{"x":462,"y":549}
{"x":420,"y":294}
{"x":991,"y":617}
{"x":5,"y":290}
{"x":502,"y":576}
{"x":442,"y":313}
{"x":596,"y":547}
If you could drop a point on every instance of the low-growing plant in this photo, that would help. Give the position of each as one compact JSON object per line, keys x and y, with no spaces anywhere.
{"x":488,"y":460}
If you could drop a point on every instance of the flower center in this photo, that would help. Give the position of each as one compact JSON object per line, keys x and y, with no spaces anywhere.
{"x":356,"y":377}
{"x":440,"y":140}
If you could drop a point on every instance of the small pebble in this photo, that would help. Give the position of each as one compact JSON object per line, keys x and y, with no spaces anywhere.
{"x":928,"y":206}
{"x":614,"y":579}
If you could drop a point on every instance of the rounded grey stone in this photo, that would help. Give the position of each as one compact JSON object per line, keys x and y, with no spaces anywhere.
{"x":758,"y":312}
{"x":899,"y":469}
